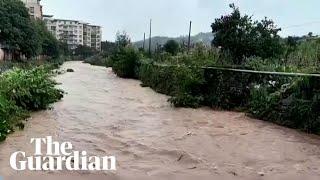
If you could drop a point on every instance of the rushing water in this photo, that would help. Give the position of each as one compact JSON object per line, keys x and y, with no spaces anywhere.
{"x":107,"y":115}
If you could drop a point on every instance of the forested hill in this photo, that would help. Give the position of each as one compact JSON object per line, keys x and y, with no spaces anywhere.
{"x":161,"y":40}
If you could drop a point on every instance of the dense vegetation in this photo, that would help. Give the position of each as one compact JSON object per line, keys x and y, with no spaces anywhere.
{"x":23,"y":91}
{"x":26,"y":82}
{"x":226,"y":75}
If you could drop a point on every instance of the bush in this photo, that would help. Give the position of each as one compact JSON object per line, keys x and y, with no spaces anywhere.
{"x":22,"y":91}
{"x":295,"y":105}
{"x":125,"y":62}
{"x":183,"y":83}
{"x":10,"y":114}
{"x":172,"y":47}
{"x":186,"y":100}
{"x":262,"y":103}
{"x":30,"y":89}
{"x":159,"y":78}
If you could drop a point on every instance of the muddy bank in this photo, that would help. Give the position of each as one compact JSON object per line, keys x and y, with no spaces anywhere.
{"x":107,"y":115}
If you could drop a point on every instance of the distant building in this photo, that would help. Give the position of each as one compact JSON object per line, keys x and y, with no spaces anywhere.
{"x":34,"y":7}
{"x":68,"y":31}
{"x":74,"y":32}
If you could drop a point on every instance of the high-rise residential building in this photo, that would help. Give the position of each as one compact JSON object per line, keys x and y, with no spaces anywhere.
{"x":68,"y":31}
{"x":34,"y":7}
{"x":92,"y":36}
{"x":74,"y":33}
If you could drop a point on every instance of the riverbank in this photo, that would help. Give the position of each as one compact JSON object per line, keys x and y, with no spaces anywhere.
{"x":104,"y":114}
{"x":23,"y":91}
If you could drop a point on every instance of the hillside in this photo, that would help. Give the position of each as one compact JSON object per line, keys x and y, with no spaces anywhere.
{"x":161,"y":40}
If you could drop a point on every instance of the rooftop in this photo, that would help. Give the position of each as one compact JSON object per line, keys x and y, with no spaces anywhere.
{"x":51,"y":16}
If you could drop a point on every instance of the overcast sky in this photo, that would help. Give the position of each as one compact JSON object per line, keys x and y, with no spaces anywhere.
{"x":171,"y":17}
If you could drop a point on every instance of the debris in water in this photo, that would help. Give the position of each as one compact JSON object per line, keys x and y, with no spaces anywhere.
{"x":261,"y":173}
{"x":180,"y":157}
{"x":233,"y":173}
{"x":70,"y":70}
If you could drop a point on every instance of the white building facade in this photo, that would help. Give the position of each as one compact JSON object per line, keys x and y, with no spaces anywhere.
{"x":74,"y":33}
{"x":1,"y":53}
{"x":34,"y":7}
{"x":92,"y":36}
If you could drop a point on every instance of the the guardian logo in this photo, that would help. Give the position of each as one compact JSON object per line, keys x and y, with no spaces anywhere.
{"x":59,"y":157}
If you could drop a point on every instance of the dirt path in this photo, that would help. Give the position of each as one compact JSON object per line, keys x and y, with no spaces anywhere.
{"x":106,"y":115}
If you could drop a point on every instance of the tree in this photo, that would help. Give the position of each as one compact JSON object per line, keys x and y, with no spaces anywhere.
{"x":17,"y":30}
{"x":49,"y":43}
{"x":64,"y":49}
{"x":242,"y":37}
{"x":172,"y":47}
{"x":123,"y":39}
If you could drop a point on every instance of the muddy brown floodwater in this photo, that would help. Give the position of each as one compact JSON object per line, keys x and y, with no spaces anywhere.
{"x":107,"y":115}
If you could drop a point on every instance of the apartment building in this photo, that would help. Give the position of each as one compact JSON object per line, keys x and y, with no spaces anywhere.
{"x":34,"y":7}
{"x":92,"y":36}
{"x":74,"y":33}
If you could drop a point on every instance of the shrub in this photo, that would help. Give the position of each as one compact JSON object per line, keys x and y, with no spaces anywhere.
{"x":9,"y":116}
{"x":30,"y":89}
{"x":262,"y":103}
{"x":159,"y":78}
{"x":295,"y":105}
{"x":186,"y":100}
{"x":22,"y":91}
{"x":189,"y":83}
{"x":172,"y":47}
{"x":125,"y":62}
{"x":183,"y":83}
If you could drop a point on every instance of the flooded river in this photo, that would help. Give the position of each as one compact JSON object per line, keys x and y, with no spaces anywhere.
{"x":107,"y":115}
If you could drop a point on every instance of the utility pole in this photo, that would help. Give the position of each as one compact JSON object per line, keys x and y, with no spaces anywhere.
{"x":157,"y":48}
{"x":189,"y":39}
{"x":144,"y":40}
{"x":150,"y":37}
